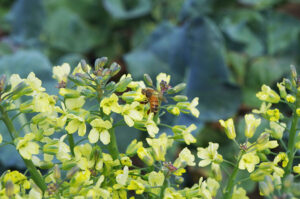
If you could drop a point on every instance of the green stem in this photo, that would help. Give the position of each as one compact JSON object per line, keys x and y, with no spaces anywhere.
{"x":35,"y":174}
{"x":71,"y":143}
{"x":113,"y":146}
{"x":291,"y":144}
{"x":231,"y":181}
{"x":162,"y":190}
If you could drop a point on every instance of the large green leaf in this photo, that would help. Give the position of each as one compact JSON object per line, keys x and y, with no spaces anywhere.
{"x":27,"y":21}
{"x":191,"y":53}
{"x":66,"y":31}
{"x":117,"y":8}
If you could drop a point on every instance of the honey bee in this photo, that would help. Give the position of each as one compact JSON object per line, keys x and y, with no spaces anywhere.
{"x":153,"y":99}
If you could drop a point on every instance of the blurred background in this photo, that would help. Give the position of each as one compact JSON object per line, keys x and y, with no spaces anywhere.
{"x":224,"y":50}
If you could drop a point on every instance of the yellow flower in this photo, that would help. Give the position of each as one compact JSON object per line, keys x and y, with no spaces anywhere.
{"x":266,"y":143}
{"x":263,"y":108}
{"x":239,"y":193}
{"x":162,"y":77}
{"x":76,"y":123}
{"x":191,"y":106}
{"x":276,"y":130}
{"x":131,"y":114}
{"x":282,"y":89}
{"x":126,"y":161}
{"x":60,"y":73}
{"x":248,"y":161}
{"x":159,"y":146}
{"x":110,"y":103}
{"x":268,"y":95}
{"x":151,"y":126}
{"x":34,"y":83}
{"x":185,"y":158}
{"x":213,"y":186}
{"x":42,"y":102}
{"x":100,"y":131}
{"x":145,"y":156}
{"x":289,"y":98}
{"x":133,"y":147}
{"x":296,"y":169}
{"x":229,"y":128}
{"x":137,"y":186}
{"x":209,"y":155}
{"x":27,"y":147}
{"x":251,"y":124}
{"x":156,"y":179}
{"x":74,"y":103}
{"x":273,"y":114}
{"x":19,"y":181}
{"x":122,"y":178}
{"x":281,"y":157}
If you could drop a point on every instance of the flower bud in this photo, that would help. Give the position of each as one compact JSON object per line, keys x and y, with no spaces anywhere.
{"x":177,"y":88}
{"x":20,"y":90}
{"x":288,"y":181}
{"x":72,"y":172}
{"x":84,"y":66}
{"x":26,"y":107}
{"x":294,"y":75}
{"x":264,"y":189}
{"x":258,"y":175}
{"x":262,"y":156}
{"x":77,"y":80}
{"x":173,"y":110}
{"x":2,"y":82}
{"x":9,"y":189}
{"x":289,"y":98}
{"x":251,"y":124}
{"x":67,"y":165}
{"x":51,"y":149}
{"x":148,"y":80}
{"x":179,"y":179}
{"x":115,"y":68}
{"x":121,"y":86}
{"x":69,"y":93}
{"x":133,"y":147}
{"x":56,"y":172}
{"x":282,"y":90}
{"x":287,"y":83}
{"x":263,"y":138}
{"x":110,"y":86}
{"x":145,"y":156}
{"x":46,"y":165}
{"x":100,"y":62}
{"x":177,"y":129}
{"x":180,"y":98}
{"x":229,"y":128}
{"x":126,"y":161}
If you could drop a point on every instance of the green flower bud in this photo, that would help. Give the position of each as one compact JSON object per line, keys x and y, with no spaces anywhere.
{"x":84,"y":66}
{"x":100,"y":62}
{"x":46,"y":165}
{"x":67,"y":165}
{"x":264,"y":189}
{"x":294,"y":75}
{"x":262,"y":156}
{"x":115,"y":68}
{"x":148,"y":80}
{"x":288,"y":181}
{"x":69,"y":93}
{"x":9,"y":189}
{"x":51,"y":149}
{"x":20,"y":90}
{"x":110,"y":86}
{"x":77,"y":80}
{"x":287,"y":83}
{"x":180,"y":98}
{"x":179,"y":179}
{"x":173,"y":110}
{"x":258,"y":175}
{"x":72,"y":172}
{"x":177,"y":88}
{"x":263,"y":138}
{"x":26,"y":107}
{"x":177,"y":129}
{"x":121,"y":86}
{"x":56,"y":172}
{"x":87,"y":93}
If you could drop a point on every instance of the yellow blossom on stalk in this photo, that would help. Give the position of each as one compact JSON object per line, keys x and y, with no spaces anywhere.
{"x":60,"y":73}
{"x":171,"y":193}
{"x":251,"y":124}
{"x":136,"y":185}
{"x":186,"y":158}
{"x":268,"y":95}
{"x":133,"y":147}
{"x":84,"y":158}
{"x":79,"y":69}
{"x":264,"y":169}
{"x":74,"y":103}
{"x":162,"y":77}
{"x":80,"y":179}
{"x":289,"y":98}
{"x":229,"y":128}
{"x":273,"y":114}
{"x":145,"y":156}
{"x":122,"y":178}
{"x":34,"y":83}
{"x":63,"y":153}
{"x":77,"y":123}
{"x":126,"y":161}
{"x":27,"y":147}
{"x":266,"y":144}
{"x":264,"y":107}
{"x":42,"y":102}
{"x":203,"y":189}
{"x":151,"y":126}
{"x":14,"y":80}
{"x":131,"y":114}
{"x":213,"y":186}
{"x":156,"y":179}
{"x":192,"y":107}
{"x":281,"y":157}
{"x":282,"y":89}
{"x":296,"y":169}
{"x":100,"y":131}
{"x":239,"y":193}
{"x":276,"y":130}
{"x":187,"y":136}
{"x":110,"y":103}
{"x":248,"y":161}
{"x":159,"y":146}
{"x":209,"y":155}
{"x":19,"y":181}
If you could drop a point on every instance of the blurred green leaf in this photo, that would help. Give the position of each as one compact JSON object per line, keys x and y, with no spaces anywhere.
{"x":260,"y":4}
{"x":117,"y":8}
{"x":66,"y":31}
{"x":27,"y":21}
